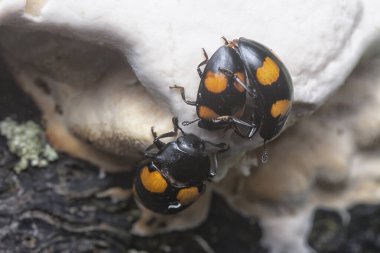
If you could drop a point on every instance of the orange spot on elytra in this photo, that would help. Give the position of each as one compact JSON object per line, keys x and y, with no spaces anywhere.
{"x":241,"y":76}
{"x":216,"y":82}
{"x":207,"y":113}
{"x":153,"y":181}
{"x":268,"y":73}
{"x":280,"y":107}
{"x":187,"y":195}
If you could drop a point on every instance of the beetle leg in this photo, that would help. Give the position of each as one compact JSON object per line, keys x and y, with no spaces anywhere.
{"x":171,"y":133}
{"x":229,"y":73}
{"x":156,"y":142}
{"x":231,"y":43}
{"x":254,"y":129}
{"x":231,"y":119}
{"x":200,"y":73}
{"x":154,"y":134}
{"x":176,"y":126}
{"x":157,"y":139}
{"x":226,"y":42}
{"x":182,"y":90}
{"x":160,"y":144}
{"x":214,"y":166}
{"x":236,"y":122}
{"x":186,"y":123}
{"x":250,"y":91}
{"x":251,"y":133}
{"x":223,"y":147}
{"x":166,"y":135}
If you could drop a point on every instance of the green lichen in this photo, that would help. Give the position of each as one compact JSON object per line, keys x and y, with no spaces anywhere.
{"x":28,"y":142}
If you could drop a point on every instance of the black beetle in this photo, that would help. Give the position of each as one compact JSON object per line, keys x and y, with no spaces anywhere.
{"x":238,"y":68}
{"x":270,"y":84}
{"x":221,"y":99}
{"x":171,"y":179}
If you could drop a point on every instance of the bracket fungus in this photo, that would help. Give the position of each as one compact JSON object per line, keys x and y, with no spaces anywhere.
{"x":100,"y":72}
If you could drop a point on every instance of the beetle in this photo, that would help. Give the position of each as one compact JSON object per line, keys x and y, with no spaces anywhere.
{"x":249,"y":68}
{"x":171,"y":179}
{"x":270,"y":84}
{"x":221,"y":99}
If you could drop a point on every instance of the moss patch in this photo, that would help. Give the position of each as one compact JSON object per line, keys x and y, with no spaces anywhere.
{"x":28,"y":142}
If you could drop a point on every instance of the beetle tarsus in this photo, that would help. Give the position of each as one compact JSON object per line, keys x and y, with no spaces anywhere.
{"x":204,"y":62}
{"x":186,"y":123}
{"x":226,"y":42}
{"x":183,"y":95}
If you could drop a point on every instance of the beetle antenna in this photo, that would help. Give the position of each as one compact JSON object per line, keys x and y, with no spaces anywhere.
{"x":226,"y":42}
